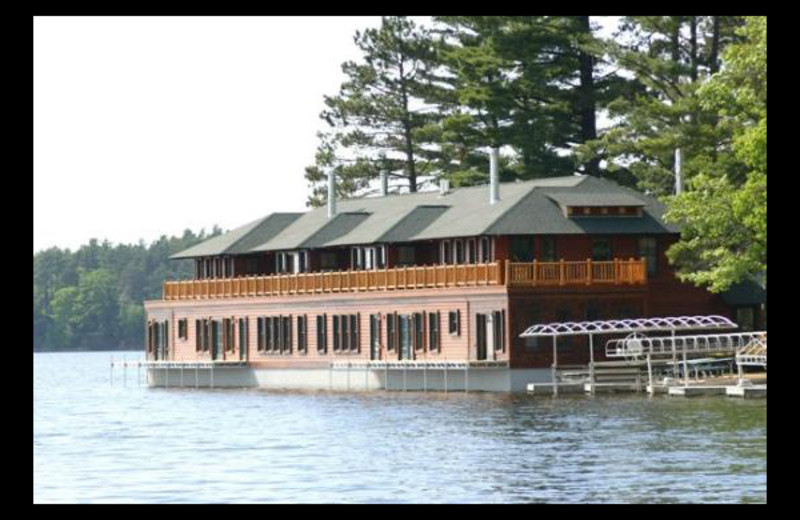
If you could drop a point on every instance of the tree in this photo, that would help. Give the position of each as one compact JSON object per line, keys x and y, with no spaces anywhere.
{"x":724,"y":217}
{"x":670,"y":58}
{"x":377,"y":113}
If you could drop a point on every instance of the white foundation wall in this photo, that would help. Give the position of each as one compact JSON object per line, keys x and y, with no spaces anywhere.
{"x":354,"y":379}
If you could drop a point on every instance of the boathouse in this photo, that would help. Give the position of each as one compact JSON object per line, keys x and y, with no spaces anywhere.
{"x":421,"y":290}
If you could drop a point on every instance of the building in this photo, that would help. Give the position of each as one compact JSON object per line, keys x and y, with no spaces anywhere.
{"x":426,"y":289}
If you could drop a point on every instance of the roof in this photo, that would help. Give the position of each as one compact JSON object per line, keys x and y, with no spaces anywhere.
{"x":529,"y":207}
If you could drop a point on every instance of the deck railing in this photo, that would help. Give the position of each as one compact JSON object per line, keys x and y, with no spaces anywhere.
{"x":588,"y":272}
{"x":417,"y":277}
{"x":399,"y":278}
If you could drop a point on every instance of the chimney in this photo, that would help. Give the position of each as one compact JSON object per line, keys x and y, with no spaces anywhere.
{"x":331,"y":194}
{"x":384,"y":183}
{"x":494,"y":175}
{"x":678,"y":174}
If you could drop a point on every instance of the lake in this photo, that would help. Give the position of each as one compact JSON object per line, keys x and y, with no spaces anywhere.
{"x":97,"y":442}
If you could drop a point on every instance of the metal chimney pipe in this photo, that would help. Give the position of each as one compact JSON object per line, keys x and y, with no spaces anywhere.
{"x":494,"y":175}
{"x":384,"y":183}
{"x":331,"y":194}
{"x":678,"y":174}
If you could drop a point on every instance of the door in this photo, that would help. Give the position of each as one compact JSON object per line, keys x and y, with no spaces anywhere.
{"x":480,"y":336}
{"x":216,"y":339}
{"x":405,"y":350}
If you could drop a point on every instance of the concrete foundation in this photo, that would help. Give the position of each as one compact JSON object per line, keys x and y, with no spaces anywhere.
{"x":353,"y":379}
{"x":748,"y":391}
{"x":693,"y":391}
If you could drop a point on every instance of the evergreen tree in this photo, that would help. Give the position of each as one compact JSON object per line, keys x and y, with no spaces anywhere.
{"x":375,"y":117}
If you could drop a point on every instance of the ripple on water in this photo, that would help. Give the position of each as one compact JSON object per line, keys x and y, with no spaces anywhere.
{"x":96,"y":443}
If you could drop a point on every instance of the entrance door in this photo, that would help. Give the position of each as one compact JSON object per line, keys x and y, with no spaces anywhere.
{"x":405,"y":350}
{"x":480,"y":336}
{"x":216,"y":339}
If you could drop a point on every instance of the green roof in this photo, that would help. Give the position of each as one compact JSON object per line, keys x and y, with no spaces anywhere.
{"x":529,"y":207}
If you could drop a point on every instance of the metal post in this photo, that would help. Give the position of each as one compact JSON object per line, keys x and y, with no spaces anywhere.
{"x":591,"y":363}
{"x":111,"y":372}
{"x":212,"y":374}
{"x":197,"y":375}
{"x":741,"y":372}
{"x":685,"y":368}
{"x":650,"y":388}
{"x":425,"y":377}
{"x":466,"y":378}
{"x":405,"y":369}
{"x":555,"y":363}
{"x":386,"y":376}
{"x":674,"y":357}
{"x":166,"y":371}
{"x":181,"y":375}
{"x":445,"y":376}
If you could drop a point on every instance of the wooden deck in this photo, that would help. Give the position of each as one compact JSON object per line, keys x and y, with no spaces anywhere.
{"x":513,"y":274}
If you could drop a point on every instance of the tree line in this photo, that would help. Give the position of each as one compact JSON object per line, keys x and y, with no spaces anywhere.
{"x":92,"y":298}
{"x":426,"y":102}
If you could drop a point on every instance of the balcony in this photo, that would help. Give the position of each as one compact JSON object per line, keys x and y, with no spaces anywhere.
{"x":513,"y":274}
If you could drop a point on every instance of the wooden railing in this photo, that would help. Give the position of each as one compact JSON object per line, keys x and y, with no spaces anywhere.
{"x":419,"y":277}
{"x":588,"y":272}
{"x":422,"y":277}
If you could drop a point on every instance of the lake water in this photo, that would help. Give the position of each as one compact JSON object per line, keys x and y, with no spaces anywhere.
{"x":94,"y":442}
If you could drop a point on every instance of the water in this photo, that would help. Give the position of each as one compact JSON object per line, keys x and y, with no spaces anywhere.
{"x":93,"y":442}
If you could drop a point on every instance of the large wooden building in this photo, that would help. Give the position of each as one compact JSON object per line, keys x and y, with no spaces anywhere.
{"x":436,"y":284}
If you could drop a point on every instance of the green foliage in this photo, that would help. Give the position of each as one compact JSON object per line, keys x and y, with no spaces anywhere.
{"x":92,"y":298}
{"x":724,"y":215}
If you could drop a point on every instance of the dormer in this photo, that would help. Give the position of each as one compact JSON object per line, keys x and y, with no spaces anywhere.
{"x":598,"y":205}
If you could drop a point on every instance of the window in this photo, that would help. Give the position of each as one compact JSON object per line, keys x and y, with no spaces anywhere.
{"x":446,"y":257}
{"x":336,"y":334}
{"x":472,"y":251}
{"x":521,"y":249}
{"x":183,"y":329}
{"x":391,"y":331}
{"x":322,"y":334}
{"x":261,"y":334}
{"x":548,"y":249}
{"x":648,"y":250}
{"x":206,"y":335}
{"x":601,"y":249}
{"x":354,"y":328}
{"x":198,"y":336}
{"x":374,"y":334}
{"x":367,"y":257}
{"x":229,"y":339}
{"x":286,"y":334}
{"x":302,"y":335}
{"x":419,"y":331}
{"x":458,"y":251}
{"x":243,"y":322}
{"x":454,"y":321}
{"x":433,"y":331}
{"x":485,"y":254}
{"x":498,"y":319}
{"x":405,"y":255}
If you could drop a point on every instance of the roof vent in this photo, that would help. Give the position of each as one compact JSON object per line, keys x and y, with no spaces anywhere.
{"x":494,"y":177}
{"x":331,"y":194}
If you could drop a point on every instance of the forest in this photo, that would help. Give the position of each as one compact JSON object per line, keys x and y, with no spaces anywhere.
{"x":556,"y":95}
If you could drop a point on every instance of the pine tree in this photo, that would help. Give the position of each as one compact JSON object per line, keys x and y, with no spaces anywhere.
{"x":376,"y":116}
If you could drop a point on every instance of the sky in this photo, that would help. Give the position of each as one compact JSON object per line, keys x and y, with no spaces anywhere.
{"x":147,"y":126}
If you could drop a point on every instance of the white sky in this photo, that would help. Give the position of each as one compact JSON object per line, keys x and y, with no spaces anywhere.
{"x":146,"y":126}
